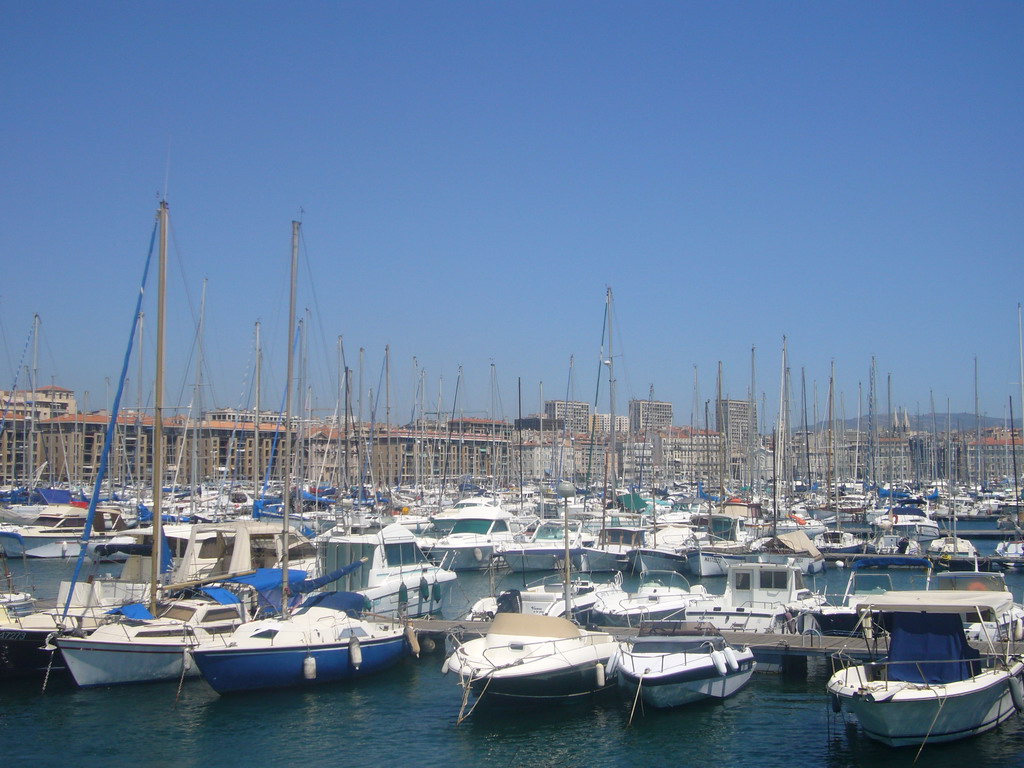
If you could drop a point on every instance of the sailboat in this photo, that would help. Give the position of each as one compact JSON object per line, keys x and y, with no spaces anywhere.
{"x":140,"y":643}
{"x":323,"y":640}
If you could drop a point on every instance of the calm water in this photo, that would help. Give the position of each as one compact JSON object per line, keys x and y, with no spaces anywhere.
{"x":409,"y":714}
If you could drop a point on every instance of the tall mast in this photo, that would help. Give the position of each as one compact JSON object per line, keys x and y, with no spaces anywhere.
{"x":289,"y":459}
{"x":611,"y":393}
{"x":257,"y":474}
{"x":158,"y":412}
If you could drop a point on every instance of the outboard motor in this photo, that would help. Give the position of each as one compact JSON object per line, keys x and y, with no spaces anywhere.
{"x":510,"y":601}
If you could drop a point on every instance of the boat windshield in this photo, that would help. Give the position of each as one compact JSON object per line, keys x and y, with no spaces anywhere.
{"x":472,"y":526}
{"x":403,"y":553}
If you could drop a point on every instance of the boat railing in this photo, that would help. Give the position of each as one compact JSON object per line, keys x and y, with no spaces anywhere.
{"x":879,"y":671}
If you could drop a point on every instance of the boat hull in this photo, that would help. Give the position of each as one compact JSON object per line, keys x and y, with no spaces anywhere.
{"x":23,"y":653}
{"x":233,"y":669}
{"x":685,"y":686}
{"x":95,"y":664}
{"x":910,"y":716}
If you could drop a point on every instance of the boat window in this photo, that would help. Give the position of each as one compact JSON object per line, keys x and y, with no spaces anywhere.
{"x":302,"y":551}
{"x":547,"y":532}
{"x":667,"y":646}
{"x":471,"y":526}
{"x":179,"y":612}
{"x":220,"y":614}
{"x":773,"y":579}
{"x":742,"y":579}
{"x":499,"y":525}
{"x":212,"y":548}
{"x":404,"y":553}
{"x":266,"y":634}
{"x":975,"y":582}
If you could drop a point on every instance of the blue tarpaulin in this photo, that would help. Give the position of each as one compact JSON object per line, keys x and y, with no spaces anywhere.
{"x":221,"y":595}
{"x":132,"y":611}
{"x":267,"y":583}
{"x":930,"y":648}
{"x":890,"y":562}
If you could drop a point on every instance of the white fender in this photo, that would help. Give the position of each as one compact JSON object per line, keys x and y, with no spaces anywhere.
{"x":355,"y":652}
{"x":1017,"y":693}
{"x":613,"y":665}
{"x":599,"y":669}
{"x":1018,"y":630}
{"x":309,"y":668}
{"x":478,"y":554}
{"x":718,"y":658}
{"x":730,"y":658}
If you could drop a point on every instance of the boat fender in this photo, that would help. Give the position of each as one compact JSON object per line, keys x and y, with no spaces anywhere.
{"x":355,"y":652}
{"x":718,"y":659}
{"x":730,"y":658}
{"x":613,"y":665}
{"x":427,"y":644}
{"x":478,"y":554}
{"x":1017,"y":693}
{"x":414,"y":642}
{"x":1018,"y":630}
{"x":435,"y":593}
{"x":837,"y":703}
{"x":403,"y":594}
{"x":600,"y":673}
{"x":309,"y":668}
{"x":869,"y":630}
{"x":424,"y":588}
{"x":840,"y":564}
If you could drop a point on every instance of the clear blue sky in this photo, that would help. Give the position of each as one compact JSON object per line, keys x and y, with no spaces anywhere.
{"x":472,"y":176}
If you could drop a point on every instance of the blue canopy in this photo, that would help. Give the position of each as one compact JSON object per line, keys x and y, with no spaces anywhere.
{"x":132,"y":611}
{"x":930,"y":648}
{"x":221,"y":595}
{"x":55,"y":495}
{"x":267,"y":583}
{"x":350,"y":602}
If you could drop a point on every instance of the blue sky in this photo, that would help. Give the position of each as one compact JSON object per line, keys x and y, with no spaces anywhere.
{"x":472,"y":176}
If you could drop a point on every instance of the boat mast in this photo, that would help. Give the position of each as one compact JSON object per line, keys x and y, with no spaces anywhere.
{"x":158,"y":411}
{"x":257,"y":474}
{"x":289,"y":459}
{"x":611,"y":395}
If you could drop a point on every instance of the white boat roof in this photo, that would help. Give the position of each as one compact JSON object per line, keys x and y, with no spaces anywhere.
{"x":937,"y":601}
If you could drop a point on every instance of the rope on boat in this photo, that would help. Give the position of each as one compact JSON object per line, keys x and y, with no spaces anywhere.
{"x":49,"y":665}
{"x":636,"y":699}
{"x":467,"y":686}
{"x":942,"y":703}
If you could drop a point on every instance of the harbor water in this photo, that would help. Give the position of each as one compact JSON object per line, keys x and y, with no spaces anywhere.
{"x":409,"y":715}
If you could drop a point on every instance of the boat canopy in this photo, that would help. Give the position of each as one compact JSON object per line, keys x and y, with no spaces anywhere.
{"x":531,"y":625}
{"x":988,"y":605}
{"x":930,"y":648}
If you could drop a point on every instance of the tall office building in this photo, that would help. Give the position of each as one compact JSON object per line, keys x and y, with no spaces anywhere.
{"x":736,"y":421}
{"x":576,"y":414}
{"x":649,"y":415}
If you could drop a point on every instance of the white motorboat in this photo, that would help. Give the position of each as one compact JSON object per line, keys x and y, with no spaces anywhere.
{"x":544,"y":598}
{"x":673,"y":663}
{"x":528,"y":659}
{"x":474,"y":535}
{"x":545,"y":549}
{"x":660,"y":595}
{"x":933,"y":686}
{"x":397,"y":578}
{"x":758,"y":597}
